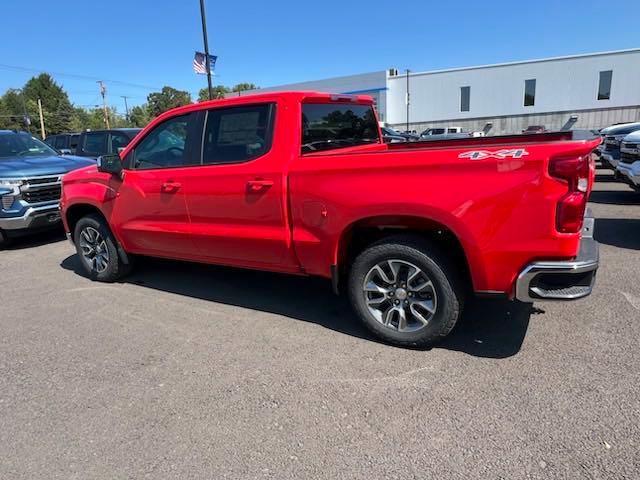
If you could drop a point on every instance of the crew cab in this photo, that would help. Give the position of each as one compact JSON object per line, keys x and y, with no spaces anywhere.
{"x":30,"y":181}
{"x":302,"y":183}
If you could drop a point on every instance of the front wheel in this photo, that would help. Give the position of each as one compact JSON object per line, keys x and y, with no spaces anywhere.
{"x":97,"y":250}
{"x":406,"y":292}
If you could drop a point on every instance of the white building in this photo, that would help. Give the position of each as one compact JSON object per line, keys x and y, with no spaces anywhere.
{"x":579,"y":91}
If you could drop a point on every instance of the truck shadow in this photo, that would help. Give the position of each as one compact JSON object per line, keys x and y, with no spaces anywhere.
{"x":36,"y":239}
{"x":489,"y":328}
{"x":615,"y":197}
{"x":618,"y":232}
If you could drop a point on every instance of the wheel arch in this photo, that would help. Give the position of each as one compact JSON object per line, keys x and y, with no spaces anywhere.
{"x":360,"y":234}
{"x":75,"y":212}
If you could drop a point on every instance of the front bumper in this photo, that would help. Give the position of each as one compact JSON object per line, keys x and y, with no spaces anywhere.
{"x":630,"y":173}
{"x":33,"y":217}
{"x":562,"y":280}
{"x":609,"y":160}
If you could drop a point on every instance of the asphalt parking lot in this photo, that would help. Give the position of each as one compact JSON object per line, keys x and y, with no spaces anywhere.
{"x":189,"y":371}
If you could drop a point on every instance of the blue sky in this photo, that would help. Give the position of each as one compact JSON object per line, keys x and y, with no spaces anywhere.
{"x":151,"y":42}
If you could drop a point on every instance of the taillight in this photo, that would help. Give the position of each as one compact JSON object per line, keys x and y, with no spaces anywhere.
{"x":575,"y":172}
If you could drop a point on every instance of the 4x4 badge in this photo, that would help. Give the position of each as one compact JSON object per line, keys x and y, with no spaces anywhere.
{"x":499,"y":154}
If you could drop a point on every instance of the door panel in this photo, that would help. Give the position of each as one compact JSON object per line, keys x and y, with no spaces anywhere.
{"x":150,"y":208}
{"x":152,"y":214}
{"x":236,"y":199}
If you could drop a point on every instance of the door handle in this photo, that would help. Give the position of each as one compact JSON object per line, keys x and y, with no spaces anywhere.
{"x":170,"y":187}
{"x":258,"y":185}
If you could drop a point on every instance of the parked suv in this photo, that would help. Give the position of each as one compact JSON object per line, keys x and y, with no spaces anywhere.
{"x":30,"y":181}
{"x":629,"y":166}
{"x":65,"y":143}
{"x":610,"y":151}
{"x":94,"y":143}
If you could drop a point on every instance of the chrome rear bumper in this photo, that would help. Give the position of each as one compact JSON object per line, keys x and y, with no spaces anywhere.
{"x":562,"y":280}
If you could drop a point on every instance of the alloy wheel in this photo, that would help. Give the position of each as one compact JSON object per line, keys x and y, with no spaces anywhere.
{"x":400,"y":295}
{"x":94,"y":249}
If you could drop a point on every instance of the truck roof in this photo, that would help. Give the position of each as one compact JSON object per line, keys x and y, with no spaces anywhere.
{"x":272,"y":96}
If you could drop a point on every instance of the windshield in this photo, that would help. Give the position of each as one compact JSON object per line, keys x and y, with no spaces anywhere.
{"x":23,"y":145}
{"x":391,"y":131}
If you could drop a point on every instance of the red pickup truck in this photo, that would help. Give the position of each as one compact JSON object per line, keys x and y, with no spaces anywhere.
{"x":301,"y":182}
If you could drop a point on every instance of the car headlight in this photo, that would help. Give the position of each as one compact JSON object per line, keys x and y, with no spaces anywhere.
{"x":10,"y":182}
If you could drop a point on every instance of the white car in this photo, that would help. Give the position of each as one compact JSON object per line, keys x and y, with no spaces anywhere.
{"x":629,"y":165}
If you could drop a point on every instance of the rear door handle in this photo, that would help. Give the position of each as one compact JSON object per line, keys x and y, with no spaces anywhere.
{"x":170,"y":187}
{"x":258,"y":185}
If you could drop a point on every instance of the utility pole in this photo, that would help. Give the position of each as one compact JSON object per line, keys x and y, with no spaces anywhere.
{"x":206,"y":47}
{"x":44,"y":135}
{"x":126,"y":107}
{"x":103,"y":91}
{"x":408,"y":100}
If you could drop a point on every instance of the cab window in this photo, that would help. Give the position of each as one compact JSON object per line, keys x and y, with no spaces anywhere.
{"x":327,"y":126}
{"x":94,"y":143}
{"x":165,"y":146}
{"x":237,"y":134}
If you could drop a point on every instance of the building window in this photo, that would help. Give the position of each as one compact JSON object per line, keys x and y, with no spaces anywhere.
{"x":465,"y":98}
{"x":604,"y":87}
{"x":530,"y":92}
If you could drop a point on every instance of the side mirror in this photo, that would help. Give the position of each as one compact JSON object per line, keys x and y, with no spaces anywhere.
{"x":110,"y":164}
{"x":66,"y":151}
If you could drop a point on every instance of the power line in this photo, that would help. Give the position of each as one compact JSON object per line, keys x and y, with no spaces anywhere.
{"x":74,"y":75}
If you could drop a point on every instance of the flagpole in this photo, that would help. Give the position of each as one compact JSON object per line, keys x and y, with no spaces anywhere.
{"x":206,"y":48}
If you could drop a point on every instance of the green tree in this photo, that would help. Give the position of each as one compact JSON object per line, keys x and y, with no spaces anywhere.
{"x":167,"y":99}
{"x":139,"y":115}
{"x":57,"y":109}
{"x":219,"y":91}
{"x":242,"y":87}
{"x":12,"y":107}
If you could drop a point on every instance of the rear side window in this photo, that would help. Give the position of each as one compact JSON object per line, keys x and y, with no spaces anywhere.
{"x":73,"y":141}
{"x":95,"y":143}
{"x":118,"y":142}
{"x":327,"y":126}
{"x":59,"y":143}
{"x":237,"y":134}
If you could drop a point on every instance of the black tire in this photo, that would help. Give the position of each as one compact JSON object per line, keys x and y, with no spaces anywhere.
{"x":447,"y":286}
{"x":115,"y":267}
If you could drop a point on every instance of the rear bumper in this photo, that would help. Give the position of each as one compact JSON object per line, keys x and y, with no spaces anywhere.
{"x":562,"y":280}
{"x":33,"y":217}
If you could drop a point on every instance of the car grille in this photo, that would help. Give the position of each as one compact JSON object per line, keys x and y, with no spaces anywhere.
{"x":42,"y":189}
{"x":610,"y":144}
{"x":629,"y":157}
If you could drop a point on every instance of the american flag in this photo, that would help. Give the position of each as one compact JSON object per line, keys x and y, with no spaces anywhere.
{"x":200,"y":64}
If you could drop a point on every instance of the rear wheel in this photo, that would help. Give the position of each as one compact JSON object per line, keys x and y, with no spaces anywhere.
{"x":97,"y":249}
{"x":406,"y":292}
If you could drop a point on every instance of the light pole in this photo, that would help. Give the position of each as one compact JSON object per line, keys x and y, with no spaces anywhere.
{"x":126,"y":106}
{"x":206,"y":47}
{"x":408,"y":99}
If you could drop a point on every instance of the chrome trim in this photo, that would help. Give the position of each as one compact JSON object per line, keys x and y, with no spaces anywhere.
{"x":629,"y":171}
{"x":26,"y":219}
{"x":586,"y":261}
